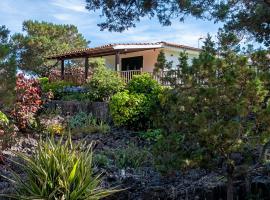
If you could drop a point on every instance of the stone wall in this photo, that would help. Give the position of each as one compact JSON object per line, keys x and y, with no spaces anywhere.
{"x":99,"y":109}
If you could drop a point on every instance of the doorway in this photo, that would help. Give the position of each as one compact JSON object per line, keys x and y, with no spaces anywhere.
{"x":132,"y":63}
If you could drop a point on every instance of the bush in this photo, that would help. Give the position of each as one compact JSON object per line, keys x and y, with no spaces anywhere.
{"x":58,"y":170}
{"x":127,"y":108}
{"x":135,"y":106}
{"x":174,"y":152}
{"x":140,"y":157}
{"x":6,"y":133}
{"x":57,"y":87}
{"x":144,"y":84}
{"x":86,"y":123}
{"x":151,"y":135}
{"x":28,"y":101}
{"x":104,"y":83}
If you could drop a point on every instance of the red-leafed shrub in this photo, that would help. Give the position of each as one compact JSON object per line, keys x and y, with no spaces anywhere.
{"x":28,"y":101}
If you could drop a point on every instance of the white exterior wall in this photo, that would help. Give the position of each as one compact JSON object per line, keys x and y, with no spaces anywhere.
{"x":172,"y":54}
{"x":150,"y":57}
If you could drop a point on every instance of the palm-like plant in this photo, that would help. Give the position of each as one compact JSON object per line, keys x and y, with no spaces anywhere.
{"x":58,"y":171}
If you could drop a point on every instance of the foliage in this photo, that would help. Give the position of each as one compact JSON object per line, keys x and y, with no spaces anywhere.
{"x":220,"y":106}
{"x":58,"y":170}
{"x":133,"y":107}
{"x":42,"y":39}
{"x":7,"y":68}
{"x":162,"y":64}
{"x":3,"y":119}
{"x":127,"y":108}
{"x":7,"y":133}
{"x":143,"y":84}
{"x":174,"y":152}
{"x":104,"y":83}
{"x":75,"y":96}
{"x":28,"y":101}
{"x":140,"y":157}
{"x":236,"y":15}
{"x":151,"y":135}
{"x":87,"y":123}
{"x":101,"y":160}
{"x":57,"y":88}
{"x":55,"y":129}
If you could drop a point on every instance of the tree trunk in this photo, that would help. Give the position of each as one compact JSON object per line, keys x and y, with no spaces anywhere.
{"x":230,"y":187}
{"x":230,"y":171}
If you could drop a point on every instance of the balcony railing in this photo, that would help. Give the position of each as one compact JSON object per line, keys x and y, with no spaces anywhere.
{"x":77,"y":76}
{"x":128,"y":75}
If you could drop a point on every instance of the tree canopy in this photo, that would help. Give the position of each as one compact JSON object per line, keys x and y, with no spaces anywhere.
{"x":43,"y":39}
{"x":236,"y":15}
{"x":7,"y":67}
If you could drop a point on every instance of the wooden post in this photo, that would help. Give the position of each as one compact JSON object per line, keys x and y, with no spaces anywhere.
{"x":117,"y":60}
{"x":62,"y":69}
{"x":86,"y":68}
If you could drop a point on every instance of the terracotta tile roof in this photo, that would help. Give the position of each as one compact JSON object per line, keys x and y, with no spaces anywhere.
{"x":109,"y":50}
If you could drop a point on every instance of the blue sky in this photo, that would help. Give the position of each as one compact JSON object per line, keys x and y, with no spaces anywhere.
{"x":14,"y":12}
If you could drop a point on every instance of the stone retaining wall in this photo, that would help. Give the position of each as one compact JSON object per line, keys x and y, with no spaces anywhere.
{"x":99,"y":109}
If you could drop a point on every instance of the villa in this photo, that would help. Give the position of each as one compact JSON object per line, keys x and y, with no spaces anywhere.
{"x":128,"y":59}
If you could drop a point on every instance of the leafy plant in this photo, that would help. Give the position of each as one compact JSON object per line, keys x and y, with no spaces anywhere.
{"x":7,"y":133}
{"x":55,"y":129}
{"x":56,"y":87}
{"x":101,"y":160}
{"x":4,"y":121}
{"x":104,"y":83}
{"x":58,"y":170}
{"x":221,"y":106}
{"x":127,"y":108}
{"x":140,"y":157}
{"x":174,"y":152}
{"x":28,"y":101}
{"x":86,"y":123}
{"x":135,"y":106}
{"x":151,"y":135}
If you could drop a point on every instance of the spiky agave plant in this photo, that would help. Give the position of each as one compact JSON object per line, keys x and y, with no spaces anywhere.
{"x":58,"y":171}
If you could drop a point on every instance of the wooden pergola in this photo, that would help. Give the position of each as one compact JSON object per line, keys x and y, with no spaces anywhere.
{"x":106,"y":50}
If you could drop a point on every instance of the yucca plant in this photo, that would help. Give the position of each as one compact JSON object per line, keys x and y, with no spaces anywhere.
{"x":58,"y":171}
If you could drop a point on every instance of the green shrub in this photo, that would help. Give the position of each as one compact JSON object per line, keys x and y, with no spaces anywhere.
{"x":127,"y":108}
{"x":132,"y":156}
{"x":174,"y":152}
{"x":144,"y":84}
{"x":3,"y":120}
{"x":101,"y":160}
{"x":151,"y":135}
{"x":57,"y":87}
{"x":76,"y":97}
{"x":58,"y":170}
{"x":86,"y":123}
{"x":6,"y":133}
{"x":104,"y":83}
{"x":135,"y":106}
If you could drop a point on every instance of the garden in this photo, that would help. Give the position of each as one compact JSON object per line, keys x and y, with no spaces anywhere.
{"x":205,"y":136}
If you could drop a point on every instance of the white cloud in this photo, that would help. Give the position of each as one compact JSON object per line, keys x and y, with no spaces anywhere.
{"x":63,"y":17}
{"x":73,"y":5}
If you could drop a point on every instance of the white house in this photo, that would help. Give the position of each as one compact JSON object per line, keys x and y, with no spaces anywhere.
{"x":128,"y":56}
